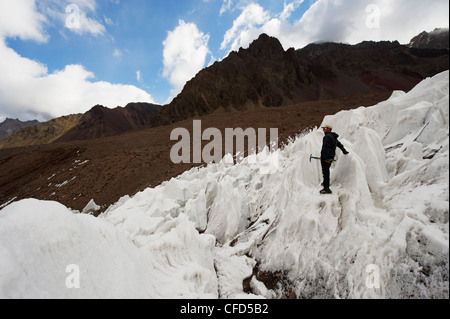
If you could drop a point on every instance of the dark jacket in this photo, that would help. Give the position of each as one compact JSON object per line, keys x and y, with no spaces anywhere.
{"x":330,"y":143}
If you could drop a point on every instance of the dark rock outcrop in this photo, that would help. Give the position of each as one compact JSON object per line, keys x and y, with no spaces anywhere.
{"x":264,"y":75}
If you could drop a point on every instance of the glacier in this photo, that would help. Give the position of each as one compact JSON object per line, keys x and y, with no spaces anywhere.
{"x":382,"y":234}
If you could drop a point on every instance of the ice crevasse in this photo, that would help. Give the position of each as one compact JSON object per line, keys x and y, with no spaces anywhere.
{"x":383,"y":233}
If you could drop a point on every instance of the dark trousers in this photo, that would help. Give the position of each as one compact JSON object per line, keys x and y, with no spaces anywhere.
{"x":326,"y":165}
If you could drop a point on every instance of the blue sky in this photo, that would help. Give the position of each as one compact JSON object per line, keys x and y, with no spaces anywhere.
{"x":59,"y":57}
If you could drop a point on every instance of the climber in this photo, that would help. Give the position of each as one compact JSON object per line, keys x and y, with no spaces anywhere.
{"x":330,"y":143}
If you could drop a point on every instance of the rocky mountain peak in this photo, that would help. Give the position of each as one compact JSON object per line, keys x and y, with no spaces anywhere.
{"x":265,"y":46}
{"x":436,"y":39}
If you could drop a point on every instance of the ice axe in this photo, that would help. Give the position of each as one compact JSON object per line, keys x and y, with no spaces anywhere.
{"x":319,"y":159}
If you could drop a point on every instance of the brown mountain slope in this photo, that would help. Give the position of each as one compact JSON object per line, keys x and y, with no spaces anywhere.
{"x":42,"y":133}
{"x":102,"y":122}
{"x":342,"y":70}
{"x":98,"y":122}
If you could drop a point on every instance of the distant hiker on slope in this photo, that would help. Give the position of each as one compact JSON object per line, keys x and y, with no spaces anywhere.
{"x":330,"y":142}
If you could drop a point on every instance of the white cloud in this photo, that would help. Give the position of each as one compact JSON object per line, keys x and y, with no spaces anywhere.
{"x":75,"y":15}
{"x":349,"y":21}
{"x":289,"y":8}
{"x":29,"y":91}
{"x":226,"y":6}
{"x":19,"y":18}
{"x":185,"y":53}
{"x":244,"y":27}
{"x":233,"y":5}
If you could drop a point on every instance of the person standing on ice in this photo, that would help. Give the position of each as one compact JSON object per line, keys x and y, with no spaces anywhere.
{"x":330,"y":143}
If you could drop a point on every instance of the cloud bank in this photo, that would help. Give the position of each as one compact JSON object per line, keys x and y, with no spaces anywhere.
{"x":349,"y":21}
{"x":28,"y":90}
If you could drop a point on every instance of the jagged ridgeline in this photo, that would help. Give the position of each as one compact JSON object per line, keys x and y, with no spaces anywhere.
{"x":266,"y":75}
{"x":98,"y":122}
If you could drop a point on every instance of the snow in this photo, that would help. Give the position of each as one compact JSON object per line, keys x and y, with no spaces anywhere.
{"x":383,"y":233}
{"x":41,"y":239}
